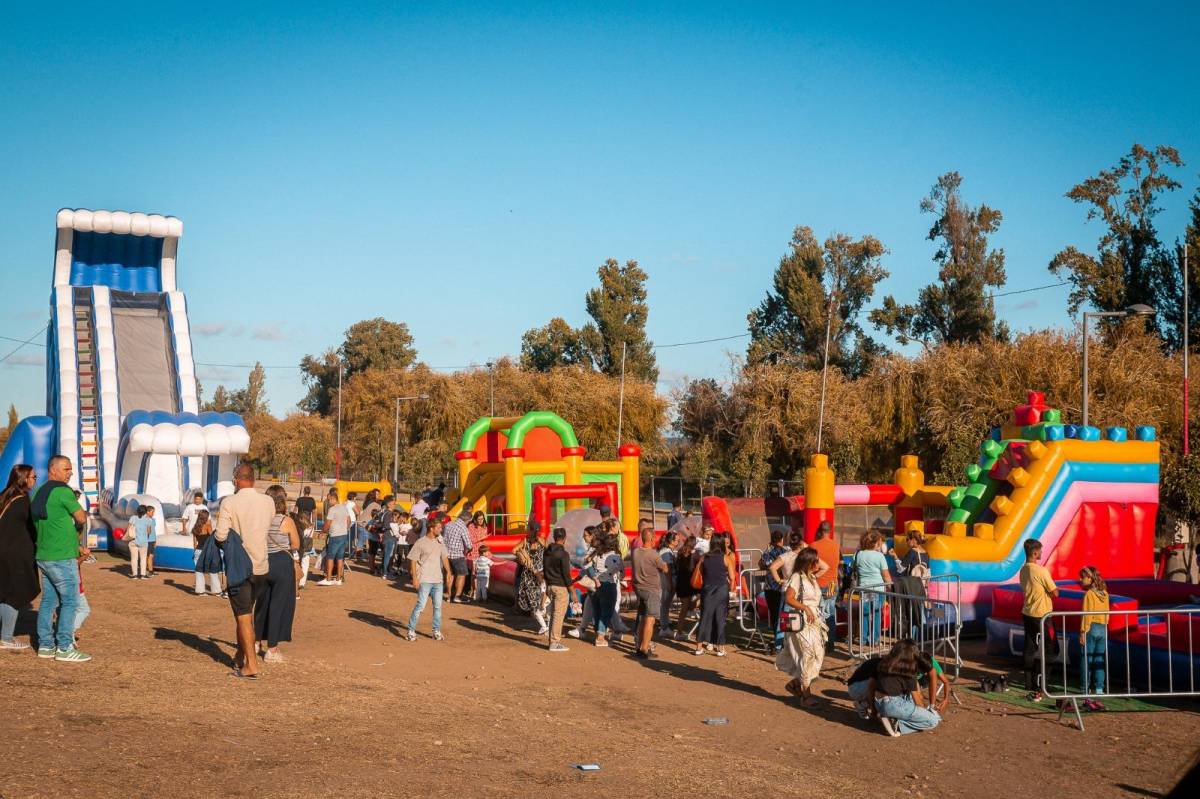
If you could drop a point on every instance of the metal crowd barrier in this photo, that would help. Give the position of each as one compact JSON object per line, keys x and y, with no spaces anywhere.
{"x":745,"y":605}
{"x":1146,"y":653}
{"x":932,"y":622}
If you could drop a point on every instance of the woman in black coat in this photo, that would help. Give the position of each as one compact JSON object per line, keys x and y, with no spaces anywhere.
{"x":19,"y":581}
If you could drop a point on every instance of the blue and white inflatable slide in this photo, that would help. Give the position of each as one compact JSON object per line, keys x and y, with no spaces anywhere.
{"x":121,"y":397}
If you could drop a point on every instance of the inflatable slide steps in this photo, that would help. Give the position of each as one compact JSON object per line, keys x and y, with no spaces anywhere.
{"x":89,"y":431}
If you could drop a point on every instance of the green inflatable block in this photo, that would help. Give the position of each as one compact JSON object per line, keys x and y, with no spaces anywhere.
{"x":1052,"y":416}
{"x":976,"y":490}
{"x":991,"y":449}
{"x":955,"y":496}
{"x":958,"y":515}
{"x":973,"y":472}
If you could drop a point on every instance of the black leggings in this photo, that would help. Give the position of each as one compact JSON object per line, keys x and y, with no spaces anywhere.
{"x":373,"y":548}
{"x":773,"y":598}
{"x":276,"y":606}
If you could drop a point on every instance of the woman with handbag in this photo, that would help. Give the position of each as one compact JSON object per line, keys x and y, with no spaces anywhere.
{"x":805,"y":631}
{"x":19,"y":580}
{"x":713,"y":576}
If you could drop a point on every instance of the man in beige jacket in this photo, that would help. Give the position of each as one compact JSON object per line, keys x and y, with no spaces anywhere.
{"x":249,"y":514}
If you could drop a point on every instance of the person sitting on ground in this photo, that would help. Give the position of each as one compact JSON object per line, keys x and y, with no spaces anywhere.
{"x":648,"y":569}
{"x":429,"y":564}
{"x":557,"y":570}
{"x":1040,"y":592}
{"x":1093,"y":633}
{"x":891,"y":693}
{"x":201,"y":529}
{"x":483,"y":572}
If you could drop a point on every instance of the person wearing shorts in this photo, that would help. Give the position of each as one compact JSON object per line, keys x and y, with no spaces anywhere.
{"x":648,"y":568}
{"x":337,"y":522}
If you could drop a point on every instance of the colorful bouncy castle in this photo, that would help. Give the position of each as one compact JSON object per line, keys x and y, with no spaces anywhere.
{"x":1089,"y":495}
{"x":532,"y":467}
{"x":121,"y":394}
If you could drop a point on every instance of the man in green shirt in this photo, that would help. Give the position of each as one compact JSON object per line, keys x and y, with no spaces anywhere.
{"x":59,"y":521}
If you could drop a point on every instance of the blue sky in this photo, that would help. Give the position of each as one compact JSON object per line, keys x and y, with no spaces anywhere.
{"x":466,"y":168}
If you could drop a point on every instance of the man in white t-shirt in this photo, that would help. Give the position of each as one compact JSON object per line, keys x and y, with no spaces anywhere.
{"x":339,"y":520}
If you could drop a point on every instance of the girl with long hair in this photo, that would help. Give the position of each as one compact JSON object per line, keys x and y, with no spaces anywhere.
{"x":899,"y":704}
{"x":717,"y":575}
{"x":19,"y":580}
{"x":685,"y":564}
{"x":803,"y":650}
{"x":1093,"y":633}
{"x":201,"y":530}
{"x":274,"y":612}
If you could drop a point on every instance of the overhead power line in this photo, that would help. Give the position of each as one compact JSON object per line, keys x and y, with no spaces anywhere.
{"x":18,"y":348}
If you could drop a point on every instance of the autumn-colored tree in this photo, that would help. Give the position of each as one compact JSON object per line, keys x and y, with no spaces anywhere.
{"x":1131,"y":264}
{"x":958,"y":307}
{"x":789,"y":326}
{"x":13,"y":420}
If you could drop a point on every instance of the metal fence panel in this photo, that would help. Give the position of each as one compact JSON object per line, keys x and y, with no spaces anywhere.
{"x":877,"y":618}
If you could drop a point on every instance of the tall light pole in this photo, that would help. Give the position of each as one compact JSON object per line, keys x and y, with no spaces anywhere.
{"x":337,"y":460}
{"x":825,"y":361}
{"x":396,"y":440}
{"x":491,"y":388}
{"x":1186,"y":401}
{"x":1137,"y":309}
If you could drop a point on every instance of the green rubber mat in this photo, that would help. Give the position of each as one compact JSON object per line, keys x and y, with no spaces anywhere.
{"x":1015,"y":695}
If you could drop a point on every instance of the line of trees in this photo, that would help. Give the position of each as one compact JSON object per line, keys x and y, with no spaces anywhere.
{"x":760,"y":423}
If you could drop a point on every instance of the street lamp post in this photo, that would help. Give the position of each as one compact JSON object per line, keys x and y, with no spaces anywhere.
{"x":396,"y":440}
{"x":1137,"y":309}
{"x":491,"y":389}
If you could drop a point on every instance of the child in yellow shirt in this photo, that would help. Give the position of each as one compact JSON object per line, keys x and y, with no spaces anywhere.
{"x":1093,"y":633}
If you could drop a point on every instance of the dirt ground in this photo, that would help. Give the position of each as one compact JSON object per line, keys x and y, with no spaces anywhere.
{"x":358,"y":711}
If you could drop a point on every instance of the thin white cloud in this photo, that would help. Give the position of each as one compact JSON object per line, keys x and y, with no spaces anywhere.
{"x":269,"y":332}
{"x":26,"y":359}
{"x":210,"y":329}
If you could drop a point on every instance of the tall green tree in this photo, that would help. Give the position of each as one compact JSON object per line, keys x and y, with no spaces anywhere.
{"x":1171,"y":309}
{"x":1131,"y":265}
{"x":250,"y":401}
{"x":370,"y":344}
{"x":813,"y":277}
{"x":619,"y":313}
{"x":556,"y":344}
{"x":958,"y":307}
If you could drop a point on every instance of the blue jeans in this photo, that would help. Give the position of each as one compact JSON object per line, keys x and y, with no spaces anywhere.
{"x":389,"y":549}
{"x":908,"y":715}
{"x":604,"y":606}
{"x":360,"y":537}
{"x":423,"y":593}
{"x":829,"y":613}
{"x":60,"y":591}
{"x":871,"y":613}
{"x":1095,"y":642}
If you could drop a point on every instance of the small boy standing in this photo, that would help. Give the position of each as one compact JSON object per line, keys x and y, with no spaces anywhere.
{"x":483,"y":573}
{"x":1040,"y":592}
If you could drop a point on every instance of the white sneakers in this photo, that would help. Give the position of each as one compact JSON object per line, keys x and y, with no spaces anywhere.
{"x":574,"y":633}
{"x":13,"y":646}
{"x":330,"y":582}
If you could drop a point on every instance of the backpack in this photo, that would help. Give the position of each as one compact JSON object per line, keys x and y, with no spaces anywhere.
{"x":848,"y":575}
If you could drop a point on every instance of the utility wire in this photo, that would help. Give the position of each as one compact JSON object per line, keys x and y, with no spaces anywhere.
{"x":17,"y":348}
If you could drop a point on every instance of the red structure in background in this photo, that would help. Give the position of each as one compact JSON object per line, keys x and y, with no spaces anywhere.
{"x":544,"y":494}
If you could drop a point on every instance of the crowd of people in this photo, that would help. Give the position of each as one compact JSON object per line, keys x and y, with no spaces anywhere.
{"x":258,"y":552}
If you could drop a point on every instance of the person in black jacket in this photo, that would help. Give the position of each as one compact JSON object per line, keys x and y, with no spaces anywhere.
{"x":556,"y":566}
